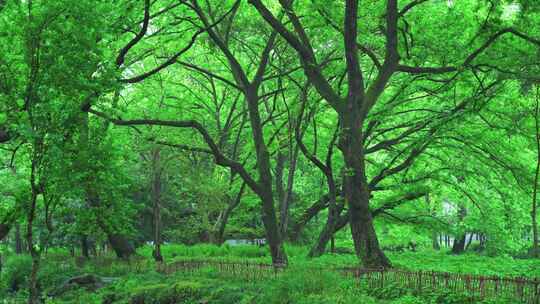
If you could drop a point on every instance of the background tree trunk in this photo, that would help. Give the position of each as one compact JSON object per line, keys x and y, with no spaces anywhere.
{"x":156,"y":196}
{"x":535,"y":248}
{"x":4,"y":230}
{"x":460,"y":240}
{"x":287,"y":196}
{"x":85,"y":246}
{"x":459,"y":244}
{"x":119,"y":242}
{"x":19,"y":247}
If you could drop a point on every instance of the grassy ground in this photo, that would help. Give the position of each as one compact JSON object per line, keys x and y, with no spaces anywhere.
{"x":296,"y":285}
{"x":469,"y":263}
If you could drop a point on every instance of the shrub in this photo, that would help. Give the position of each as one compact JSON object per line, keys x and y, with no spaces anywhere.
{"x":16,"y":272}
{"x":180,"y":292}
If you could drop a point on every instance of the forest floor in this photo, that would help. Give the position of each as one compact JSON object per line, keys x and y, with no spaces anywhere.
{"x":139,"y":283}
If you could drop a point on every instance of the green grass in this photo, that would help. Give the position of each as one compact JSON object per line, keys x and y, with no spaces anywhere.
{"x":427,"y":260}
{"x":298,"y":284}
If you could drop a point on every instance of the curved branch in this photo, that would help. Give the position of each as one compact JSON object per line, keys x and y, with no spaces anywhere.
{"x":219,"y":157}
{"x":471,"y":57}
{"x":123,"y":52}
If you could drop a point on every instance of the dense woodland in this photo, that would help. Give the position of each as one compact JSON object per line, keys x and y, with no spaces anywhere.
{"x":318,"y":129}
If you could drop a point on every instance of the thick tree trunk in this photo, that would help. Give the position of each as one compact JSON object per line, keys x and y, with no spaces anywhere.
{"x":273,"y":236}
{"x":365,"y":239}
{"x":434,"y":235}
{"x":357,"y":193}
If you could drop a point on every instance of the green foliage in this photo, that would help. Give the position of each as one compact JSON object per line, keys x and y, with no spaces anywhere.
{"x":15,"y":273}
{"x":180,"y":292}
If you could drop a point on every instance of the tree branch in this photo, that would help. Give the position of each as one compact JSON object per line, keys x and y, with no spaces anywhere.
{"x":123,"y":52}
{"x":219,"y":157}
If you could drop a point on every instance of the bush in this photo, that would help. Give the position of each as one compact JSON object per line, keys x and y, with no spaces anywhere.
{"x":229,"y":295}
{"x":180,"y":292}
{"x":16,"y":272}
{"x":52,"y":275}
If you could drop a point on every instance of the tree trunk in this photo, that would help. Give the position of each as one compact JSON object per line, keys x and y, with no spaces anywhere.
{"x":325,"y":236}
{"x":305,"y":218}
{"x":357,"y":194}
{"x":4,"y":230}
{"x":469,"y":241}
{"x":434,"y":235}
{"x":460,"y":240}
{"x":459,"y":245}
{"x":286,"y":200}
{"x":18,"y":240}
{"x":84,"y":246}
{"x":222,"y":224}
{"x":33,"y":296}
{"x":273,"y":235}
{"x":340,"y":222}
{"x":535,"y":247}
{"x":121,"y":246}
{"x":33,"y":292}
{"x":119,"y":242}
{"x":435,"y":241}
{"x":327,"y":233}
{"x":156,"y":196}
